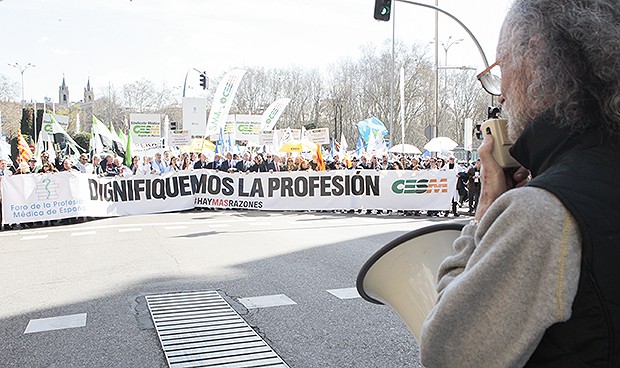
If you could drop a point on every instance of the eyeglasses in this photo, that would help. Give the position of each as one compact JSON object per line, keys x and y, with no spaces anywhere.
{"x":490,"y":82}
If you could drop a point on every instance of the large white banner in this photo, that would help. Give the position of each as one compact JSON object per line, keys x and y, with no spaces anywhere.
{"x":222,"y":100}
{"x":195,"y":115}
{"x":145,"y":129}
{"x":40,"y":197}
{"x":272,"y":114}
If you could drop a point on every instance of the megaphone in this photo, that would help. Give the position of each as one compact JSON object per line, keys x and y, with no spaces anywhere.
{"x":403,"y":274}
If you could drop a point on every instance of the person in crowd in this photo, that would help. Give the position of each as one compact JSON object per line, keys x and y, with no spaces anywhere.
{"x":432,"y":164}
{"x":135,"y":165}
{"x":363,"y":163}
{"x":110,"y":168}
{"x":15,"y":166}
{"x":277,"y":163}
{"x":228,"y":164}
{"x":440,"y":163}
{"x":331,"y":165}
{"x":396,"y":165}
{"x":98,"y":169}
{"x":201,"y":163}
{"x":4,"y":168}
{"x":145,"y":168}
{"x":271,"y":163}
{"x":157,"y":165}
{"x":453,"y":166}
{"x":303,"y":165}
{"x":355,"y":164}
{"x":216,"y":163}
{"x":32,"y":165}
{"x":533,"y":281}
{"x":23,"y":169}
{"x":47,"y":168}
{"x":166,"y":159}
{"x":45,"y":157}
{"x":122,"y":169}
{"x":246,"y":163}
{"x":67,"y":166}
{"x":373,"y":164}
{"x":83,"y":165}
{"x":186,"y":162}
{"x":290,"y":164}
{"x":174,"y":164}
{"x":259,"y":164}
{"x":385,"y":163}
{"x":473,"y":186}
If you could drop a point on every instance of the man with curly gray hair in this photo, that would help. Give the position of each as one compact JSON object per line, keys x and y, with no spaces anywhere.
{"x":533,"y":279}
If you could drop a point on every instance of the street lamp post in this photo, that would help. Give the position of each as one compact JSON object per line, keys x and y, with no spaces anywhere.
{"x":22,"y":70}
{"x":446,"y":47}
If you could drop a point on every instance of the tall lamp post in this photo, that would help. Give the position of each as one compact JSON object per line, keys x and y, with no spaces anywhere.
{"x":446,"y":47}
{"x":22,"y":70}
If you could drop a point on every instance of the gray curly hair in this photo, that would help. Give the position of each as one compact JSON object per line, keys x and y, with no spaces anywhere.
{"x":578,"y":62}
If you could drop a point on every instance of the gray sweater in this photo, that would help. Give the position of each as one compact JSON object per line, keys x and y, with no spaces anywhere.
{"x":513,"y":275}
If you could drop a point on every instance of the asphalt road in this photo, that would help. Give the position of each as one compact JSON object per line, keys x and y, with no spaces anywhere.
{"x":104,"y":268}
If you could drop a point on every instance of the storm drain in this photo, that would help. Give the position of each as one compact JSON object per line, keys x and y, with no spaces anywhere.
{"x":200,"y":329}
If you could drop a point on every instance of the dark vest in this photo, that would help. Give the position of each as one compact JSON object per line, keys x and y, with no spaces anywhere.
{"x":584,"y":174}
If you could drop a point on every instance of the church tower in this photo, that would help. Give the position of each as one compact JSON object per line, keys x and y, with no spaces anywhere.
{"x":89,"y":94}
{"x":63,"y":93}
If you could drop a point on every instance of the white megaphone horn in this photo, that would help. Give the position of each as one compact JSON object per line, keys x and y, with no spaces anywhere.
{"x":403,"y":274}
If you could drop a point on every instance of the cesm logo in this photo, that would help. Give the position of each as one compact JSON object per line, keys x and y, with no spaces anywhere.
{"x":420,"y":186}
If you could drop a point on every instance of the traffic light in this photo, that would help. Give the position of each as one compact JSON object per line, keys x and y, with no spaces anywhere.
{"x":383,"y":8}
{"x":203,"y":80}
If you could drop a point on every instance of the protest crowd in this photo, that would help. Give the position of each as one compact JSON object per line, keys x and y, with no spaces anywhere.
{"x":163,"y":162}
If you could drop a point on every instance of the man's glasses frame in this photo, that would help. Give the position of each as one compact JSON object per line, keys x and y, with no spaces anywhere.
{"x":490,"y":82}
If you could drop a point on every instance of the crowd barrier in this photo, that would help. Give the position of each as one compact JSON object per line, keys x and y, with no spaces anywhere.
{"x":43,"y":197}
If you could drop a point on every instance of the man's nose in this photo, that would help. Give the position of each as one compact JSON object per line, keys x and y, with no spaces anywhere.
{"x":501,"y":99}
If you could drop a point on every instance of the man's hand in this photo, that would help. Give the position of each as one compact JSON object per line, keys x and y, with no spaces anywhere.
{"x":494,"y":179}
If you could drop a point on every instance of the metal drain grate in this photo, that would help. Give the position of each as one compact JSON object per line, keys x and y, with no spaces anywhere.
{"x":200,"y":329}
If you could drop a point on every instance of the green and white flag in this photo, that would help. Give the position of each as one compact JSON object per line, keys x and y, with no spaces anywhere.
{"x":222,"y":100}
{"x":272,"y":114}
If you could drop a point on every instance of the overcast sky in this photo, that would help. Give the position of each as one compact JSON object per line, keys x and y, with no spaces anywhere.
{"x":121,"y":41}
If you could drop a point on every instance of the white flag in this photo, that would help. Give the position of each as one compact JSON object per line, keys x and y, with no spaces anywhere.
{"x":343,"y":145}
{"x":222,"y":100}
{"x":272,"y":114}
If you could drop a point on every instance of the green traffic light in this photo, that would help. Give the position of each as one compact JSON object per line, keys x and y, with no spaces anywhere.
{"x":385,"y":10}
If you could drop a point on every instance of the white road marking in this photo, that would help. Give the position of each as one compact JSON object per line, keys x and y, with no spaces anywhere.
{"x":266,"y":301}
{"x":84,"y":233}
{"x":56,"y":323}
{"x":218,"y":225}
{"x":347,"y":293}
{"x":130,"y":230}
{"x":174,"y":227}
{"x":34,"y":237}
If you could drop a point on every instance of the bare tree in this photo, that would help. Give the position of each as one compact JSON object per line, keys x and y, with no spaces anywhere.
{"x":8,"y":89}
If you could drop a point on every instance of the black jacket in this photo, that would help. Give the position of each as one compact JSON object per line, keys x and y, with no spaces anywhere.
{"x":583,"y":172}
